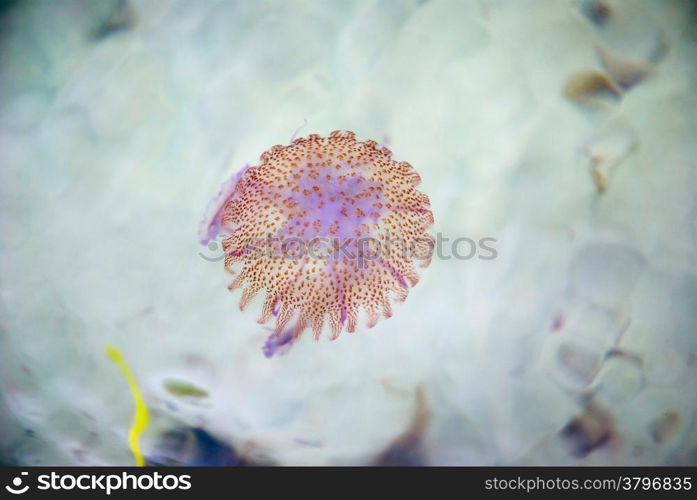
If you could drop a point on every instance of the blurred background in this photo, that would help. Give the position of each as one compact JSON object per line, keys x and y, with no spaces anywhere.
{"x":564,"y":130}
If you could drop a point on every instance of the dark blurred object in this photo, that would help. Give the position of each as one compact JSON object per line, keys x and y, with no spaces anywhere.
{"x":589,"y":87}
{"x":664,"y":428}
{"x":596,"y":11}
{"x":406,"y":449}
{"x":7,"y":5}
{"x":192,"y":446}
{"x":625,"y":71}
{"x":120,"y":18}
{"x":590,"y":430}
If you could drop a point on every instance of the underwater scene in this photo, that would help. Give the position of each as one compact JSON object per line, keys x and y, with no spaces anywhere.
{"x":362,"y":232}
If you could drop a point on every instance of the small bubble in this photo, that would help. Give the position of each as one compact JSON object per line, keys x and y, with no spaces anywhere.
{"x":212,"y":246}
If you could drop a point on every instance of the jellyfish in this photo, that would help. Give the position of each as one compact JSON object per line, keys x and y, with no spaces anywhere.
{"x":327,"y":227}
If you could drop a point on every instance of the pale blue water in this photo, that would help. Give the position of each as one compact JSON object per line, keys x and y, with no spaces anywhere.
{"x":562,"y":130}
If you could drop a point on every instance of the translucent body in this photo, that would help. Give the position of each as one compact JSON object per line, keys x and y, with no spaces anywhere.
{"x":327,"y":226}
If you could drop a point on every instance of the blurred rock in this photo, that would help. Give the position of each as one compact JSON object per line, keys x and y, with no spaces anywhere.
{"x":665,"y":427}
{"x":188,"y":446}
{"x":591,"y":88}
{"x":590,"y":430}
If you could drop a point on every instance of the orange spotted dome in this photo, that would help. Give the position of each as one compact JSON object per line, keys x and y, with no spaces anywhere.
{"x":327,"y":227}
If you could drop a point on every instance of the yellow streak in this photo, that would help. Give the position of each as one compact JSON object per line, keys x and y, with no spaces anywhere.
{"x":140,"y":413}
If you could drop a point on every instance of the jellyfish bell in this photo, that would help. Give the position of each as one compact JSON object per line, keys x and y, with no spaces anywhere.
{"x":327,"y":226}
